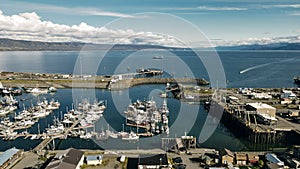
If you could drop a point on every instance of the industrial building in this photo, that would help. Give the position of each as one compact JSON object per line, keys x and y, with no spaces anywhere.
{"x":265,"y":113}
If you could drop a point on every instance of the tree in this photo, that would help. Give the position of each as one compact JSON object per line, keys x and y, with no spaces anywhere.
{"x":260,"y":163}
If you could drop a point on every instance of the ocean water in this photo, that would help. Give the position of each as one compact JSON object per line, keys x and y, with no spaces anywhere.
{"x":242,"y":69}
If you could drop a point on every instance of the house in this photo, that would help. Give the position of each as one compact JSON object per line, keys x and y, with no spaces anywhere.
{"x":286,"y":101}
{"x":68,"y":159}
{"x":66,"y":76}
{"x":252,"y":158}
{"x":227,"y":156}
{"x":94,"y":159}
{"x":293,"y":113}
{"x":9,"y":156}
{"x":153,"y":161}
{"x":213,"y":156}
{"x":241,"y":158}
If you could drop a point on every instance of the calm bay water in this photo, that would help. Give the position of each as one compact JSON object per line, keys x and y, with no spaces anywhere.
{"x":242,"y":69}
{"x":261,"y":68}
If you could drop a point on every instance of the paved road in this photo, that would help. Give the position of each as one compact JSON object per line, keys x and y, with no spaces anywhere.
{"x":29,"y":159}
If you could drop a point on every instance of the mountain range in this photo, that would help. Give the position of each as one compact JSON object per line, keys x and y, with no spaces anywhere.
{"x":22,"y":45}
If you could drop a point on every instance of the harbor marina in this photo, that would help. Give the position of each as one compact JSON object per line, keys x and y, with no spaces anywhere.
{"x":145,"y":114}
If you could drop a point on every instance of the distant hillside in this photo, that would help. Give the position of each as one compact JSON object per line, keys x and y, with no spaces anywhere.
{"x":21,"y":45}
{"x":272,"y":46}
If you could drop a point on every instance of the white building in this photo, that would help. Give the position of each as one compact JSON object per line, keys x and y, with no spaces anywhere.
{"x":68,"y":159}
{"x":261,"y":96}
{"x":266,"y":114}
{"x":262,"y":108}
{"x":94,"y":159}
{"x":287,"y":94}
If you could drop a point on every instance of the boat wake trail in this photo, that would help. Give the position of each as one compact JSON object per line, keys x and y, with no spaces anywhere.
{"x":263,"y":65}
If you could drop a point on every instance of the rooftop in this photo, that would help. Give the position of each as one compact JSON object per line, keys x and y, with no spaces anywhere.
{"x":69,"y":159}
{"x":153,"y":159}
{"x":7,"y":155}
{"x":94,"y":157}
{"x":227,"y":152}
{"x":260,"y":106}
{"x":241,"y":156}
{"x":273,"y":159}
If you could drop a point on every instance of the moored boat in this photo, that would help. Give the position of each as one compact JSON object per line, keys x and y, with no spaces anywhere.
{"x":297,"y":79}
{"x":130,"y":137}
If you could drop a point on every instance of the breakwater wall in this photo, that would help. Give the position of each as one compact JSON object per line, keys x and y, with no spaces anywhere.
{"x":122,"y":84}
{"x":18,"y":79}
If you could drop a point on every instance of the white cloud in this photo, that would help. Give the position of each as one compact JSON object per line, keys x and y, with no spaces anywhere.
{"x":29,"y":26}
{"x":220,"y":8}
{"x":283,"y":6}
{"x":96,"y":12}
{"x":85,"y":11}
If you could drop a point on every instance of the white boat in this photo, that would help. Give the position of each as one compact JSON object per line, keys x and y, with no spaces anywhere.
{"x":189,"y":97}
{"x":59,"y":129}
{"x":10,"y":133}
{"x":33,"y":137}
{"x":26,"y":123}
{"x":163,"y":95}
{"x":164,"y":108}
{"x":130,"y":137}
{"x":4,"y":112}
{"x":86,"y":136}
{"x":158,"y":57}
{"x":52,"y":89}
{"x":7,"y":109}
{"x":38,"y":91}
{"x":102,"y":136}
{"x":114,"y":135}
{"x":40,"y":114}
{"x":53,"y":105}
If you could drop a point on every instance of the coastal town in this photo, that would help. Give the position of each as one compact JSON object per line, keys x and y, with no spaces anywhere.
{"x":260,"y":115}
{"x":150,"y":84}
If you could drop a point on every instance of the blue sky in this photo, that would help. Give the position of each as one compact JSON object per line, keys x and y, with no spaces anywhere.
{"x":222,"y":21}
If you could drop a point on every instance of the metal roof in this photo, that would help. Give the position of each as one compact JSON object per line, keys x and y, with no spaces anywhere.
{"x":94,"y":157}
{"x":260,"y":105}
{"x":7,"y":155}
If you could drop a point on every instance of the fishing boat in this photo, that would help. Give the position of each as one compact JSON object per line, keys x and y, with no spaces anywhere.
{"x":158,"y":57}
{"x":297,"y":80}
{"x":146,"y":115}
{"x":4,"y":111}
{"x":52,"y":89}
{"x":130,"y":137}
{"x":37,"y":91}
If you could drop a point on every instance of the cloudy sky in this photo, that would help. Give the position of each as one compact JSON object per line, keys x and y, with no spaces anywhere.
{"x":223,"y":22}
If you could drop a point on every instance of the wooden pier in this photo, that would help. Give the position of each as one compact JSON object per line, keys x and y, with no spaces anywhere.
{"x":46,"y":141}
{"x":43,"y":144}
